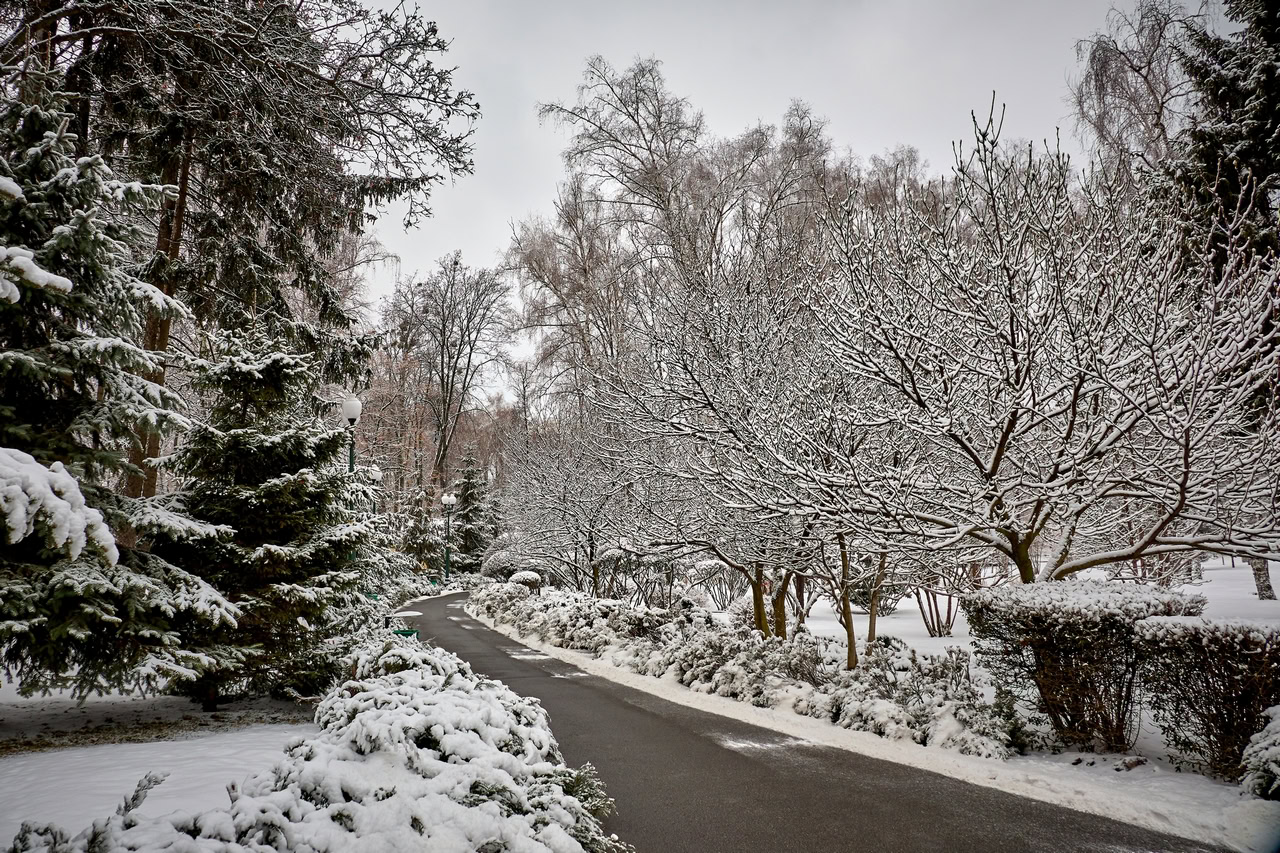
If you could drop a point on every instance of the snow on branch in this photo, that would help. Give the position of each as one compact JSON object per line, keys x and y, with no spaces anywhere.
{"x":18,"y":264}
{"x":34,"y":499}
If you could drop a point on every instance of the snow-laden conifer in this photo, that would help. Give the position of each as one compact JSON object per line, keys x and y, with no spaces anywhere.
{"x":269,"y":467}
{"x":472,"y":527}
{"x":83,"y":603}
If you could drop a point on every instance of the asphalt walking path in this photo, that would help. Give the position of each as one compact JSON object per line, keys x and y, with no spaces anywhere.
{"x":687,"y":780}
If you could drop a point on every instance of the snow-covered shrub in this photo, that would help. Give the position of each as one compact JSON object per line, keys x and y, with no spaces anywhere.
{"x":528,"y":578}
{"x":1210,"y":685}
{"x":415,"y":753}
{"x":929,"y":700}
{"x":571,"y":620}
{"x":504,"y":557}
{"x":499,"y":598}
{"x":715,"y":661}
{"x":388,"y":654}
{"x":1068,"y":649}
{"x":465,"y":582}
{"x":1261,"y":760}
{"x":742,"y":611}
{"x":639,"y":621}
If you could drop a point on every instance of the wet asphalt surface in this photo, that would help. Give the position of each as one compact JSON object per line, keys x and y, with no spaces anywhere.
{"x":687,"y":780}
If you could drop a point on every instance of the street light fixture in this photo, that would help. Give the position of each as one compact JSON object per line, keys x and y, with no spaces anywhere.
{"x":448,"y":500}
{"x":351,"y":409}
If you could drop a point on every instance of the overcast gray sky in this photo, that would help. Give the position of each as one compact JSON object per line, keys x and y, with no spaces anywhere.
{"x":882,"y":72}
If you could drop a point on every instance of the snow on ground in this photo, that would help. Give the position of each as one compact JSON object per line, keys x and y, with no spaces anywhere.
{"x":72,"y":787}
{"x":1232,"y":593}
{"x":57,"y":720}
{"x":905,"y":623}
{"x":1153,"y":795}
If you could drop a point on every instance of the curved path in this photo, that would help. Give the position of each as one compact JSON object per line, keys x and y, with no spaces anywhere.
{"x":686,"y":780}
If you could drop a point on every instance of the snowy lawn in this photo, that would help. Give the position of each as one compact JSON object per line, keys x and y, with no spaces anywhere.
{"x":904,"y":623}
{"x":57,"y":721}
{"x":71,"y":787}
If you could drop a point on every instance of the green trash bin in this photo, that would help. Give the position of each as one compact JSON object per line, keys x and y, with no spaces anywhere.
{"x":406,"y":632}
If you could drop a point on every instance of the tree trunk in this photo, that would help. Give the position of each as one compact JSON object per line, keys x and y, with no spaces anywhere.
{"x":757,"y":601}
{"x":846,"y":611}
{"x":800,"y":608}
{"x":924,"y":613}
{"x":1262,"y":579}
{"x":1022,"y":559}
{"x":780,"y":608}
{"x":156,"y":334}
{"x":875,"y":598}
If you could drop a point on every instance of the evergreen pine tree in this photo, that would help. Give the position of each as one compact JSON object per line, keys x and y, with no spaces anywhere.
{"x":267,"y":465}
{"x":423,"y":539}
{"x":1232,"y":156}
{"x":473,"y":517}
{"x":85,"y":606}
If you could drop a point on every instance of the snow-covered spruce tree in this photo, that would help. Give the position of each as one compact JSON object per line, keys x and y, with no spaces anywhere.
{"x":266,"y":465}
{"x":472,"y":527}
{"x":80,"y":605}
{"x":422,"y":538}
{"x":1230,"y":165}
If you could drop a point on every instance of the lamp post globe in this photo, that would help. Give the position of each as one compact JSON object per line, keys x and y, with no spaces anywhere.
{"x":448,"y":499}
{"x":351,"y":409}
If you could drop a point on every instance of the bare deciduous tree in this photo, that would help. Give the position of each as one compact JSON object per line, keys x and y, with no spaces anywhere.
{"x":1133,"y":98}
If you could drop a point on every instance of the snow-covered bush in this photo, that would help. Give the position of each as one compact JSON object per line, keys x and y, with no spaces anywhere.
{"x":742,"y":611}
{"x":1068,"y":649}
{"x":574,"y":621}
{"x":1261,"y":760}
{"x":898,"y":694}
{"x":489,"y":601}
{"x":1210,"y":685}
{"x":465,"y":582}
{"x":928,"y":700}
{"x":505,"y":557}
{"x":527,"y":578}
{"x":416,"y":752}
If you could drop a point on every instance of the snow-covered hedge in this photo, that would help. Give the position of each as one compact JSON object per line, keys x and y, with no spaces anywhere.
{"x":930,"y":700}
{"x":465,"y":582}
{"x":528,"y":578}
{"x":1068,"y":648}
{"x":416,"y":752}
{"x":1261,"y":761}
{"x":1210,"y":684}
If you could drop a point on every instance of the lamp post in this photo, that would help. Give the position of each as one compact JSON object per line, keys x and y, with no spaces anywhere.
{"x":351,"y":411}
{"x":448,"y":500}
